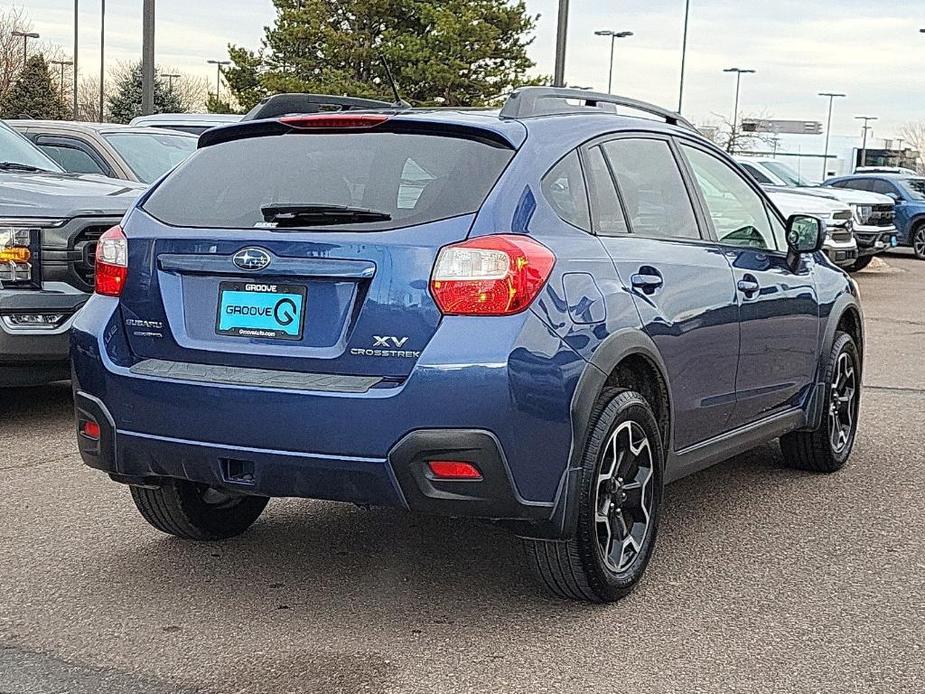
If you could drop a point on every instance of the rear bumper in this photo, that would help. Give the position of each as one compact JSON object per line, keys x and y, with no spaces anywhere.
{"x":509,"y":414}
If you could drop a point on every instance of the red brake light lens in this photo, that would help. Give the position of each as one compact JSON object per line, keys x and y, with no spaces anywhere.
{"x":454,"y":470}
{"x":90,"y":429}
{"x":111,"y":262}
{"x":335,"y":120}
{"x":490,"y":275}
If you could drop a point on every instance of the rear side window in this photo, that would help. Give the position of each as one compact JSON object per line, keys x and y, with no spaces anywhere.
{"x":652,"y":190}
{"x":412,"y":178}
{"x":564,"y":188}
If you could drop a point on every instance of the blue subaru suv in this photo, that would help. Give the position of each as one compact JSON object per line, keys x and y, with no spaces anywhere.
{"x":537,"y":316}
{"x":908,"y":191}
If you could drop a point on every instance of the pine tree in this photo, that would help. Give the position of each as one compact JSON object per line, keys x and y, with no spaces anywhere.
{"x":453,"y":52}
{"x":125,"y":103}
{"x":34,"y":95}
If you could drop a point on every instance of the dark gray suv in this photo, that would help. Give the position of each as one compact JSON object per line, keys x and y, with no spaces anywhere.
{"x":49,"y":224}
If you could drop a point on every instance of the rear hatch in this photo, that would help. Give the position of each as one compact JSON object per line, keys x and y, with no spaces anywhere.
{"x":305,"y":246}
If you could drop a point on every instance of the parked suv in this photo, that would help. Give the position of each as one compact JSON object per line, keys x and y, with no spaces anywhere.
{"x":537,"y":316}
{"x":874,"y":214}
{"x":49,"y":224}
{"x":909,"y":194}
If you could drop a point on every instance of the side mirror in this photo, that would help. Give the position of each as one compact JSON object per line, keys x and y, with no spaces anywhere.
{"x":895,"y":197}
{"x":805,"y":234}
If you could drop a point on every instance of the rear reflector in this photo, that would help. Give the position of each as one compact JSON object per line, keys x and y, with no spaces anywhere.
{"x":91,"y":430}
{"x":454,"y":470}
{"x":111,"y":262}
{"x":490,"y":275}
{"x":335,"y":120}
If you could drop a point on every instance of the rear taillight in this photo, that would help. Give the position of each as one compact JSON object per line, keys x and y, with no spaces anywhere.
{"x":111,"y":262}
{"x":490,"y":275}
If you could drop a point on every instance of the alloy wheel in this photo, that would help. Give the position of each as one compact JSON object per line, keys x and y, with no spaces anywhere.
{"x":843,"y":403}
{"x":624,"y":496}
{"x":918,"y":242}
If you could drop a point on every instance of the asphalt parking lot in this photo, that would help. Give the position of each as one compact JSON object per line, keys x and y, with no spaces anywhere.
{"x":764,"y":580}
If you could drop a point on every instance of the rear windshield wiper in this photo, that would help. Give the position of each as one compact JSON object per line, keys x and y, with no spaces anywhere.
{"x":16,"y":166}
{"x":283,"y":215}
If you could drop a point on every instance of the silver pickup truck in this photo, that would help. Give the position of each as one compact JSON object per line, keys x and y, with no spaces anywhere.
{"x":49,"y":224}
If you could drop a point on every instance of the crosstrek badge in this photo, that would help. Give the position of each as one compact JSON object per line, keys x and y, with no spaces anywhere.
{"x":386,"y":346}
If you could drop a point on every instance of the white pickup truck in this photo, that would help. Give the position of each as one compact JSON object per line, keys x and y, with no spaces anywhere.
{"x":840,"y":245}
{"x":872,"y":214}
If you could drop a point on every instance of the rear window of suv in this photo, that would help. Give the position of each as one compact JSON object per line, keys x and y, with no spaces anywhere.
{"x":414,"y":178}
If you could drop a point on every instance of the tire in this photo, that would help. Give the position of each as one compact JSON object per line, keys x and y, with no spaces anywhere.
{"x":860,"y":263}
{"x":917,"y":241}
{"x":816,"y":451}
{"x":196,"y":512}
{"x":577,"y":569}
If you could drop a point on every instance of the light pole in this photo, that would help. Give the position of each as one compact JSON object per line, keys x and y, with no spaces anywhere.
{"x":687,"y":15}
{"x":102,"y":55}
{"x":62,"y":64}
{"x":147,"y":58}
{"x":26,"y":35}
{"x":170,"y":78}
{"x":866,"y":119}
{"x":828,"y":129}
{"x":558,"y":79}
{"x":76,"y":2}
{"x":218,"y":75}
{"x":614,"y":35}
{"x":735,"y":111}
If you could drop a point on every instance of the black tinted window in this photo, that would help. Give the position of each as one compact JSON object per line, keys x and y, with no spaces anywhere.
{"x":757,"y":174}
{"x":652,"y":190}
{"x":564,"y":188}
{"x":855,"y":184}
{"x":412,"y":178}
{"x":606,"y":211}
{"x":883,"y":187}
{"x":72,"y":160}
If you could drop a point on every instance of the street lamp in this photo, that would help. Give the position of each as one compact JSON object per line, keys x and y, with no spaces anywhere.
{"x":218,"y":77}
{"x":614,"y":35}
{"x":76,"y":13}
{"x":828,"y":128}
{"x":558,"y":79}
{"x":735,"y":111}
{"x":865,"y":130}
{"x":170,"y":79}
{"x":687,"y":15}
{"x":26,"y":35}
{"x":62,"y":64}
{"x":102,"y":54}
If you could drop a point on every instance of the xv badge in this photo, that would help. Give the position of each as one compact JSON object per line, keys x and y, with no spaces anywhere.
{"x":389,"y":341}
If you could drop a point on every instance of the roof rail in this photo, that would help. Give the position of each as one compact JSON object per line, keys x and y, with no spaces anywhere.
{"x":285,"y":104}
{"x":527,"y":102}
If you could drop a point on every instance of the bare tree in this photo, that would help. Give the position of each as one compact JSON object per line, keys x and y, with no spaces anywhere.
{"x":13,"y":19}
{"x":17,"y":19}
{"x":734,"y":140}
{"x":913,"y":134}
{"x":193,"y":91}
{"x":88,"y":99}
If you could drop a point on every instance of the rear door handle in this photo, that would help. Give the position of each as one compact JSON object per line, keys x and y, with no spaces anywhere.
{"x":646,"y":280}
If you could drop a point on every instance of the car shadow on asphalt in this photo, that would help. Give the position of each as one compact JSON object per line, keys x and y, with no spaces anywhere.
{"x":337,"y":562}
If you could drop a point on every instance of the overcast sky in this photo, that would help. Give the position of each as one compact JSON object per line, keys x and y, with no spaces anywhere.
{"x":869,"y":49}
